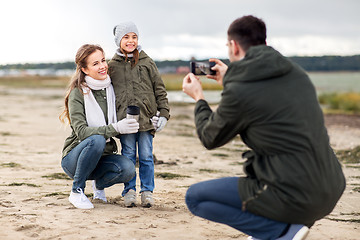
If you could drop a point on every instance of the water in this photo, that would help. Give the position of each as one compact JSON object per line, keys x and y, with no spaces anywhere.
{"x":330,"y":82}
{"x":180,"y":96}
{"x":324,"y":82}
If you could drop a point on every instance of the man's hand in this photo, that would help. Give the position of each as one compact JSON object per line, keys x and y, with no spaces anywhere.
{"x":220,"y":69}
{"x":192,"y":87}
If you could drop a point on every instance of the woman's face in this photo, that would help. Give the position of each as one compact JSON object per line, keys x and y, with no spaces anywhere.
{"x":96,"y":66}
{"x":129,"y":42}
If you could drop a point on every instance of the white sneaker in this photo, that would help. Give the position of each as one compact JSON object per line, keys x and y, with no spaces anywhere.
{"x":98,"y":194}
{"x":296,"y":232}
{"x":79,"y":200}
{"x":147,"y":199}
{"x":130,"y":198}
{"x":252,"y":238}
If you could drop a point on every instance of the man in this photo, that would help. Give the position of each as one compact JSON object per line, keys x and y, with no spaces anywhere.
{"x":293,"y":177}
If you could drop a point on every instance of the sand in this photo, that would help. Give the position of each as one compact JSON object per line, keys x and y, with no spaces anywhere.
{"x":34,"y":196}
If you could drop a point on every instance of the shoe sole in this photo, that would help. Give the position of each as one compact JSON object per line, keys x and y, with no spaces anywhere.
{"x":84,"y":208}
{"x":100,"y":200}
{"x":148,"y":205}
{"x":301,"y":234}
{"x":81,"y":207}
{"x":131,"y":205}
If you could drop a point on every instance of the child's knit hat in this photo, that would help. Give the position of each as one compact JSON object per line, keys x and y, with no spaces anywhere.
{"x":122,"y":29}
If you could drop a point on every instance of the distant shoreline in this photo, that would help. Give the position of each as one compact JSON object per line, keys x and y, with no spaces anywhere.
{"x":309,"y":63}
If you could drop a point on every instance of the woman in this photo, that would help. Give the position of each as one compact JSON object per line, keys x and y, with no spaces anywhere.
{"x":90,"y":151}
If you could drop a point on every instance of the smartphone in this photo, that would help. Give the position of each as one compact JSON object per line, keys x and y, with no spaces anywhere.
{"x":202,"y":68}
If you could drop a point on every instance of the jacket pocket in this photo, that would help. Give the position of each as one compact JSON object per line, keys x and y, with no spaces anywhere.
{"x":150,"y":108}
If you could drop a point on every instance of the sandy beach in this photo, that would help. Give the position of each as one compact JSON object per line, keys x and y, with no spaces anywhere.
{"x":34,"y":190}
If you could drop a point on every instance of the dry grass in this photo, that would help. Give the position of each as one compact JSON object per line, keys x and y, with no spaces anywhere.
{"x":343,"y":102}
{"x":34,"y":82}
{"x":172,"y":82}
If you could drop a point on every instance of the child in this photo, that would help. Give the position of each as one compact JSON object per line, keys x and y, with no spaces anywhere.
{"x":90,"y":151}
{"x":137,"y":81}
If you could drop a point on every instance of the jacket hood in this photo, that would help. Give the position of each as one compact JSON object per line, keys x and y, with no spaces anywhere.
{"x":260,"y":62}
{"x":118,"y":57}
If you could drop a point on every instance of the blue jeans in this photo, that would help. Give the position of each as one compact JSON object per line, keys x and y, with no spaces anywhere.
{"x":86,"y":162}
{"x":144,"y":142}
{"x":219,"y":201}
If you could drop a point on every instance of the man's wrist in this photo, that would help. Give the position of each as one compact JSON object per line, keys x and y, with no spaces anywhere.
{"x":201,"y":97}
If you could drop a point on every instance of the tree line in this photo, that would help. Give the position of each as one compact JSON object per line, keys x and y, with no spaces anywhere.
{"x":321,"y":63}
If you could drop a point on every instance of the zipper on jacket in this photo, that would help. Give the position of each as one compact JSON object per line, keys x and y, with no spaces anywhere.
{"x":243,"y":207}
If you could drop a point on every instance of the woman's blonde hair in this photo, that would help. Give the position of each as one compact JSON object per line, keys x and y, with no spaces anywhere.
{"x":78,"y":79}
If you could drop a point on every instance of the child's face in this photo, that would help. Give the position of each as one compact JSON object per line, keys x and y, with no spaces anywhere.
{"x":129,"y":42}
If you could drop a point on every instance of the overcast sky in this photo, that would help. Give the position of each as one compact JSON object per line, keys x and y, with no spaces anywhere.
{"x":36,"y":31}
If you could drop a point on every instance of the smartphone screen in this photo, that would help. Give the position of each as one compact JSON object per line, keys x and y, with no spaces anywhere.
{"x":202,"y":68}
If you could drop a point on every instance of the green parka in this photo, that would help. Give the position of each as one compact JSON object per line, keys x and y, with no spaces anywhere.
{"x":293,"y":174}
{"x":141,"y":86}
{"x":79,"y":126}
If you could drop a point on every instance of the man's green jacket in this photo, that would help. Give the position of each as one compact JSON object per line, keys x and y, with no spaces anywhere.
{"x":292,"y":172}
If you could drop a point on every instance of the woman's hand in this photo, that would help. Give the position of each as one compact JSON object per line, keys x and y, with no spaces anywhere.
{"x":126,"y":126}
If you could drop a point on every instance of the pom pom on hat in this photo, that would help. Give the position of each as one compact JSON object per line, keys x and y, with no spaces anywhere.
{"x":122,"y":29}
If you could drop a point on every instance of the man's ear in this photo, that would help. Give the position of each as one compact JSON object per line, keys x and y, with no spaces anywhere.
{"x":235,"y":47}
{"x":239,"y":51}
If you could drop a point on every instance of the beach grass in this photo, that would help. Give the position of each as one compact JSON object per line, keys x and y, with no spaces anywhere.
{"x":347,"y":102}
{"x":168,"y":175}
{"x":349,"y":156}
{"x":17,"y":184}
{"x":340,"y":101}
{"x":10,"y":165}
{"x":34,"y":81}
{"x":173,"y":82}
{"x":54,"y":176}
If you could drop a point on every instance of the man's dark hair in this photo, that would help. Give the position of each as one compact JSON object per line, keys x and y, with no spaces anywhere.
{"x":248,"y":31}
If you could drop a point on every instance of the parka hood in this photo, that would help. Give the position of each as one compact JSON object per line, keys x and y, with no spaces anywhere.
{"x":260,"y":62}
{"x":118,"y":57}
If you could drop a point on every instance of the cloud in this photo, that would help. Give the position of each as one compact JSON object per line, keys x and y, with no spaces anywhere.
{"x":185,"y":46}
{"x":315,"y":45}
{"x":43,"y":30}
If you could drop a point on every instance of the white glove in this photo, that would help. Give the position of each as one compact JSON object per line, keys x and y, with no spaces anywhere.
{"x":161,"y":123}
{"x":126,"y":126}
{"x":154,"y":121}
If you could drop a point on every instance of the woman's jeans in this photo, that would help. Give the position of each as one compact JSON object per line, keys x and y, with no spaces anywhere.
{"x":144,"y":142}
{"x":219,"y":201}
{"x":86,"y":162}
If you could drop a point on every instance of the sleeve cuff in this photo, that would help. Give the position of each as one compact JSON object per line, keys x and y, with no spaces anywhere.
{"x":164,"y":113}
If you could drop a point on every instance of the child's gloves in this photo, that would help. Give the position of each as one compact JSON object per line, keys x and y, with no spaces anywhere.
{"x":126,"y":126}
{"x":161,"y":123}
{"x":158,"y":122}
{"x":154,"y":121}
